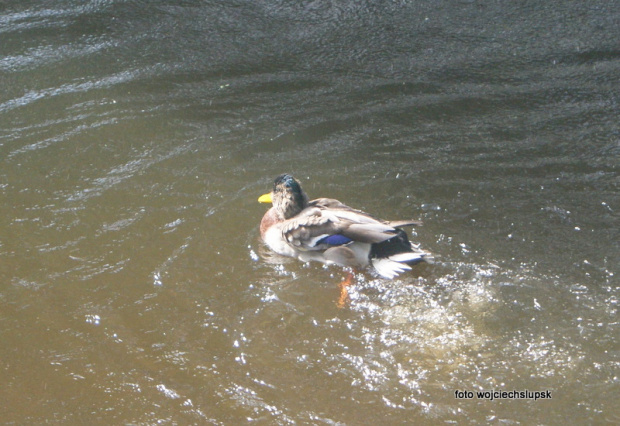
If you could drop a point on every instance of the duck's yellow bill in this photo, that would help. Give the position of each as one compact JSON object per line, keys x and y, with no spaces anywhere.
{"x":265,"y":198}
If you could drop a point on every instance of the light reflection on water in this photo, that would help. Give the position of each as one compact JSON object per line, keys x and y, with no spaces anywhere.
{"x":414,"y":342}
{"x":135,"y":289}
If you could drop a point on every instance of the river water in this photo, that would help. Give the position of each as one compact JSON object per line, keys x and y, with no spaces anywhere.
{"x":136,"y":136}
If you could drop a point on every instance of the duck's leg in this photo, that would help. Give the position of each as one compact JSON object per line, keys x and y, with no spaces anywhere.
{"x":344,"y":293}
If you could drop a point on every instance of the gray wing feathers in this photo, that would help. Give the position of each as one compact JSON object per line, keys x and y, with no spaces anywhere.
{"x":315,"y":223}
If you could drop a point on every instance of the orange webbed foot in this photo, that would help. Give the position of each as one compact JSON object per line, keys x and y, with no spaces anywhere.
{"x":344,"y":293}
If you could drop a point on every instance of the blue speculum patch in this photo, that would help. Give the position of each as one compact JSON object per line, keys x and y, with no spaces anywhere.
{"x":335,"y":240}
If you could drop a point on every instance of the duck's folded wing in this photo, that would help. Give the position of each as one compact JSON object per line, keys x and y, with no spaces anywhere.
{"x":311,"y":232}
{"x":330,"y":206}
{"x":369,"y":232}
{"x":318,"y":229}
{"x":336,"y":210}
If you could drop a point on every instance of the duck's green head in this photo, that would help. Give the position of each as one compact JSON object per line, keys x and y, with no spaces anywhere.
{"x":287,"y":196}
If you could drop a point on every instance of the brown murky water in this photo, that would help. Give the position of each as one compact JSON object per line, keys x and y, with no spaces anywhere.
{"x":136,"y":136}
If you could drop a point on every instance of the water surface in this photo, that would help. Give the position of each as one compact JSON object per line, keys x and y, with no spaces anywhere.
{"x":135,"y":138}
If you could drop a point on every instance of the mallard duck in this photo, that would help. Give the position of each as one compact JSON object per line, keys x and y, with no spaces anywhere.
{"x":331,"y":232}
